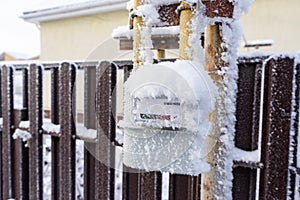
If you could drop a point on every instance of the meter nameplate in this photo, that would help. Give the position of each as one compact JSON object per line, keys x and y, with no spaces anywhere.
{"x":157,"y":112}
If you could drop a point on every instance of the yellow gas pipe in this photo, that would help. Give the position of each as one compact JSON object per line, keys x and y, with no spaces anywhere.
{"x":137,"y":26}
{"x":186,"y":15}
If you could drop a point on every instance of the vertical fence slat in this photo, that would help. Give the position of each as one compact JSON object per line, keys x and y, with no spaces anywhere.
{"x":1,"y":132}
{"x":184,"y":187}
{"x":90,"y":123}
{"x":21,"y":160}
{"x":247,"y":125}
{"x":67,"y":144}
{"x":150,"y":185}
{"x":276,"y":128}
{"x":36,"y":122}
{"x":55,"y":179}
{"x":248,"y":106}
{"x":104,"y":175}
{"x":130,"y":184}
{"x":7,"y":131}
{"x":295,"y":191}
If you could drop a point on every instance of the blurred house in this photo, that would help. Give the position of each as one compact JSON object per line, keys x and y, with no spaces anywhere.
{"x":12,"y":56}
{"x":78,"y":29}
{"x":275,"y":20}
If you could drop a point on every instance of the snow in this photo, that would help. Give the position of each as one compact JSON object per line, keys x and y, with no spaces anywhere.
{"x":256,"y":53}
{"x":24,"y":124}
{"x":119,"y":136}
{"x":21,"y":134}
{"x":50,"y":127}
{"x":124,"y":31}
{"x":260,"y":42}
{"x":47,"y":168}
{"x":243,"y":5}
{"x":82,"y":131}
{"x":246,"y":156}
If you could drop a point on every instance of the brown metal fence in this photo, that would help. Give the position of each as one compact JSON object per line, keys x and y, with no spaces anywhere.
{"x":266,"y":119}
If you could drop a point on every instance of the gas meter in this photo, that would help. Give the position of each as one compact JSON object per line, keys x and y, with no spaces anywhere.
{"x":166,"y":108}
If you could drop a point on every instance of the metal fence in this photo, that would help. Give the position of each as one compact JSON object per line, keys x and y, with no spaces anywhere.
{"x":267,"y":120}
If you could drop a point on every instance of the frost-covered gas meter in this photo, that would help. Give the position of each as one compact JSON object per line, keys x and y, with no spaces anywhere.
{"x":166,"y":108}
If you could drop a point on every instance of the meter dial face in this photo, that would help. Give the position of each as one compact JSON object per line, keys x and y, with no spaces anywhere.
{"x":161,"y":110}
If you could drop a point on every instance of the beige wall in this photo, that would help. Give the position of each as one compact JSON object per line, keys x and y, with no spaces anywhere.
{"x":278,"y":20}
{"x":77,"y":38}
{"x":80,"y":38}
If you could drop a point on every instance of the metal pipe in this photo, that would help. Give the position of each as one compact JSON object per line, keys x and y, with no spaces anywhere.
{"x":161,"y":53}
{"x":214,"y":62}
{"x":137,"y":25}
{"x":186,"y":15}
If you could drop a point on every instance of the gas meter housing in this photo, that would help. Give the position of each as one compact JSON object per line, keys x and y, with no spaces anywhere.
{"x":166,"y":108}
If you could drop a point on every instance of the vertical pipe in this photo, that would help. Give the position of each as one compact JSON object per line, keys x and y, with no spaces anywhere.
{"x":213,"y":64}
{"x":186,"y":15}
{"x":161,"y":53}
{"x":137,"y":25}
{"x":214,"y":51}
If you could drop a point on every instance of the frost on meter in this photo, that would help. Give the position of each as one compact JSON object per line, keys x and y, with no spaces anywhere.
{"x":166,"y":108}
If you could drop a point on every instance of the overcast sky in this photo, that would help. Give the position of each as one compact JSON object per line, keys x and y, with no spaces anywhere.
{"x":15,"y":34}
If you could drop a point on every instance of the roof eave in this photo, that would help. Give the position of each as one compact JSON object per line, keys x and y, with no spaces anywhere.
{"x":72,"y":11}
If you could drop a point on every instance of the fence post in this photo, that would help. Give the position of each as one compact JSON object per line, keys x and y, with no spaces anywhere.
{"x":36,"y":122}
{"x":7,"y":131}
{"x":67,"y":143}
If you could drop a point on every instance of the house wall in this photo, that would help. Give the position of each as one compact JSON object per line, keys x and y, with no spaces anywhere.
{"x":274,"y":19}
{"x":80,"y":38}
